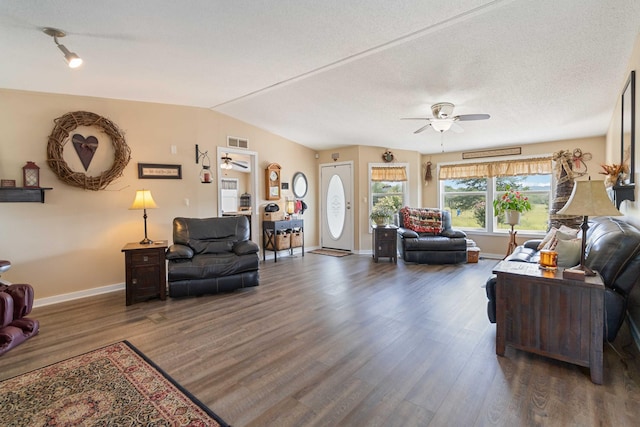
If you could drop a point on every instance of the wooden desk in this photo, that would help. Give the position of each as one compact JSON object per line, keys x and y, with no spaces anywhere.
{"x":269,"y":230}
{"x":540,"y":312}
{"x":145,"y":271}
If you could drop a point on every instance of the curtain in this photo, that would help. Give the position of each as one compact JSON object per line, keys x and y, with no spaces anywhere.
{"x":533,"y":166}
{"x":388,"y":173}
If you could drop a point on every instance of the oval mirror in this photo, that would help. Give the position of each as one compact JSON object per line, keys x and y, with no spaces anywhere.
{"x":300,"y":185}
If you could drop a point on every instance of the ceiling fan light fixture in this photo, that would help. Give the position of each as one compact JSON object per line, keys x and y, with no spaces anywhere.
{"x":226,"y":163}
{"x":441,"y":125}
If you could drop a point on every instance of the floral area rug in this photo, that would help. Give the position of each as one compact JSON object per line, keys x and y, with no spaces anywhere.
{"x":114,"y":385}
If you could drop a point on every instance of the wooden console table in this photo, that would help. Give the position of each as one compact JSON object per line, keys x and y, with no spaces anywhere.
{"x":540,"y":312}
{"x":269,"y":231}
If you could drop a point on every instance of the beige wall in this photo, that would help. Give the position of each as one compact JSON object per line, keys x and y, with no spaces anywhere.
{"x":72,"y":242}
{"x":497,"y":243}
{"x":630,"y":209}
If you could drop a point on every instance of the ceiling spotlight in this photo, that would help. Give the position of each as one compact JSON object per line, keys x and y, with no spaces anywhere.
{"x":72,"y":58}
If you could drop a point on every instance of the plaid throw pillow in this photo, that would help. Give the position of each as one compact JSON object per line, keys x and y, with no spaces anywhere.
{"x":422,"y":220}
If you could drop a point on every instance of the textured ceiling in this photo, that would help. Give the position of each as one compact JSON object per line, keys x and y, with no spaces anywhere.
{"x":341,"y":72}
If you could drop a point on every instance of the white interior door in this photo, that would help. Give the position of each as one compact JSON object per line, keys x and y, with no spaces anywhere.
{"x":336,"y":182}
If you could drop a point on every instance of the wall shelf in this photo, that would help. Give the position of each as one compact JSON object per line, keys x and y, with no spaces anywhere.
{"x":623,"y":192}
{"x":21,"y":194}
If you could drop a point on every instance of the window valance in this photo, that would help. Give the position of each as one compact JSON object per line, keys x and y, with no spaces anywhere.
{"x":533,"y":166}
{"x":388,"y":173}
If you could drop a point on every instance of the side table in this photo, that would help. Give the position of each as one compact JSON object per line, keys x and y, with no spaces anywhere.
{"x":145,"y":271}
{"x":269,"y":240}
{"x":541,"y":312}
{"x":385,"y":242}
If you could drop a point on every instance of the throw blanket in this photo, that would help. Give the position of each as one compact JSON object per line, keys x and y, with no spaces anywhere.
{"x":422,"y":220}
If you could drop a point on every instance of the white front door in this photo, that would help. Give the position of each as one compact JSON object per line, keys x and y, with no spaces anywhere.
{"x":336,"y":185}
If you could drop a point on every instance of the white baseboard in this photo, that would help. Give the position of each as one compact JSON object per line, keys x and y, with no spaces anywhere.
{"x":41,"y":302}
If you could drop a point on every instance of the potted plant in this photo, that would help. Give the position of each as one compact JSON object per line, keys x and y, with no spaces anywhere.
{"x":380,"y":214}
{"x":511,"y":203}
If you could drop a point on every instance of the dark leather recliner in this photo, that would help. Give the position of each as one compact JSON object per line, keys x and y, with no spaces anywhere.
{"x":613,"y":250}
{"x":16,"y":302}
{"x":449,"y":246}
{"x":211,"y":255}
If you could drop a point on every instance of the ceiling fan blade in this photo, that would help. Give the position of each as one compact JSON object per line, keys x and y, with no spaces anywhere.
{"x":422,"y":128}
{"x":467,"y":117}
{"x":239,"y":164}
{"x":415,"y":118}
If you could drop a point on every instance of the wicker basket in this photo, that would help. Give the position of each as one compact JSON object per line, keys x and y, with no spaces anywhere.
{"x":283,"y":241}
{"x":273,"y":216}
{"x":473,"y":255}
{"x":296,"y":239}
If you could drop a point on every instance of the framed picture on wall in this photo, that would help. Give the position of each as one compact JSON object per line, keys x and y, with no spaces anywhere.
{"x":628,"y":128}
{"x":159,"y":171}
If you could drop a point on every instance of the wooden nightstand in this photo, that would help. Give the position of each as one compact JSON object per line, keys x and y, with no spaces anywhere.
{"x":145,"y":271}
{"x":385,"y":243}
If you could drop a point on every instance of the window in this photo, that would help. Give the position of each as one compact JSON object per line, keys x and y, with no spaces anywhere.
{"x":468,"y":190}
{"x":387,"y":186}
{"x":468,"y":199}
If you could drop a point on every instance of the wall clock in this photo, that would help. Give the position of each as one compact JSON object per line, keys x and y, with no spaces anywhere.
{"x":387,"y":156}
{"x":272,"y":181}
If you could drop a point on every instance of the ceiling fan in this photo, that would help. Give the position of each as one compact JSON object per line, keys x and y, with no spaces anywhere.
{"x":443,"y":118}
{"x":228,"y":163}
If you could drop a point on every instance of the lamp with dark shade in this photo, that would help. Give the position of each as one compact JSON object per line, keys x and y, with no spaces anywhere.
{"x":144,"y":201}
{"x":588,"y":198}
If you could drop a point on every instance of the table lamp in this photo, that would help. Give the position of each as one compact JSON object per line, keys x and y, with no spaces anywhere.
{"x":144,"y":201}
{"x":588,"y":198}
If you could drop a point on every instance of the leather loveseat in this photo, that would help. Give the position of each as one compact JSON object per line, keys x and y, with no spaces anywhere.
{"x":211,"y":255}
{"x":425,"y":236}
{"x":613,"y":250}
{"x":16,"y":302}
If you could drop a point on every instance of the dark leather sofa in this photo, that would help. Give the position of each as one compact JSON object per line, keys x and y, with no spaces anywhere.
{"x":613,"y":250}
{"x":430,"y":245}
{"x":211,"y":255}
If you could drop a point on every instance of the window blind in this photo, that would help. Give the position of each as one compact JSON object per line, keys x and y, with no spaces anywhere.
{"x":533,"y":166}
{"x":388,"y":173}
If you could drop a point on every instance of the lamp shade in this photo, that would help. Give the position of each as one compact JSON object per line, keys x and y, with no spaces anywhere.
{"x":589,"y":198}
{"x":143,"y":200}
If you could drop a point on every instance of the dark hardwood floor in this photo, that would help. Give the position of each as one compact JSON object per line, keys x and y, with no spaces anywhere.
{"x":345,"y":342}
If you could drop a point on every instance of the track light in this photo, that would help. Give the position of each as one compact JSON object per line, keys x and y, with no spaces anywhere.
{"x":72,"y":58}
